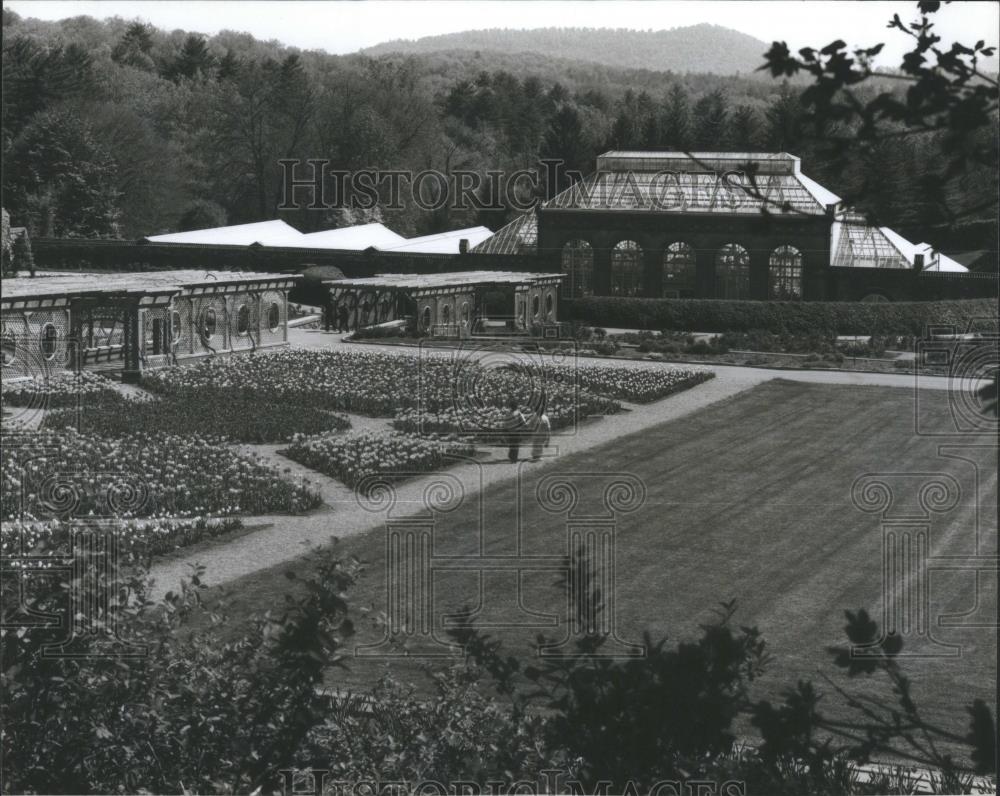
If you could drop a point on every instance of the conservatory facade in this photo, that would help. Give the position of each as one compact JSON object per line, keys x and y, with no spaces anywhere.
{"x":706,"y":225}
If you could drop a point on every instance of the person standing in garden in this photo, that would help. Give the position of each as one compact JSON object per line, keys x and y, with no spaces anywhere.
{"x":515,"y":423}
{"x":541,"y":433}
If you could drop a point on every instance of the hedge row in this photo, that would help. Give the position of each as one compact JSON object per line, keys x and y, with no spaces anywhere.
{"x":779,"y":317}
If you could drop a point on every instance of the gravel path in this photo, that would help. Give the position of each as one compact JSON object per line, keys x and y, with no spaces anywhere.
{"x":284,"y":537}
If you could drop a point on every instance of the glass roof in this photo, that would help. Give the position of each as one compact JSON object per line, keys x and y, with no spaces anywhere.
{"x":520,"y":236}
{"x":858,"y":244}
{"x":678,"y":192}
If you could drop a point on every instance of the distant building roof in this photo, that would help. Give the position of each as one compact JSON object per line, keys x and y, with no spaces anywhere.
{"x":265,"y":233}
{"x":356,"y":238}
{"x":444,"y":242}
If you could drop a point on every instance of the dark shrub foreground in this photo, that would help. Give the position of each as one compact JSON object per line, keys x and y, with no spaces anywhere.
{"x":179,"y":709}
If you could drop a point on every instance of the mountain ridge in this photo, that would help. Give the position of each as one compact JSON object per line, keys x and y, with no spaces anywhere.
{"x":704,"y":47}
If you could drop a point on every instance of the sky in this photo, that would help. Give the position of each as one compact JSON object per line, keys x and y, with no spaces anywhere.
{"x":343,"y":27}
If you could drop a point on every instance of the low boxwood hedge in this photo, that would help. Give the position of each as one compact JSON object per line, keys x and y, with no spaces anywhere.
{"x":778,"y":317}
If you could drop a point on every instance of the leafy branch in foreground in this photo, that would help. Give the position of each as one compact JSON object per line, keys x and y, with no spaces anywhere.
{"x":676,"y":713}
{"x":937,"y":89}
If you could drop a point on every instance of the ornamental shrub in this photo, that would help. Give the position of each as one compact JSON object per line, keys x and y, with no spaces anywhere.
{"x":778,"y":317}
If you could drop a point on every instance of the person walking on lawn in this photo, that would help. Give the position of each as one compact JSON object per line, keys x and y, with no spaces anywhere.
{"x":541,"y":433}
{"x":515,"y":424}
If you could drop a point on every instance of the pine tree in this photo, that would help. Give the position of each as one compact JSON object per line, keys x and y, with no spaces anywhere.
{"x":675,"y":126}
{"x":60,"y":180}
{"x":710,"y":118}
{"x":564,"y":140}
{"x":193,"y":61}
{"x":133,"y":48}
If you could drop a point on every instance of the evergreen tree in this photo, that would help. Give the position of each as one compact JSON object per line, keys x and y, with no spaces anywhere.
{"x":133,"y":48}
{"x":60,"y":179}
{"x":710,"y":118}
{"x":564,"y":140}
{"x":675,"y":127}
{"x":743,"y":130}
{"x":193,"y":61}
{"x":784,"y":121}
{"x":37,"y":77}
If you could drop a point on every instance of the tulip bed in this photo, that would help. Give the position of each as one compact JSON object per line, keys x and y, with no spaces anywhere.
{"x":353,"y":457}
{"x":69,"y":474}
{"x":383,"y":385}
{"x":640,"y":385}
{"x":137,"y":539}
{"x":364,"y":383}
{"x":486,"y":423}
{"x":373,"y":384}
{"x":222,"y":413}
{"x":60,"y":389}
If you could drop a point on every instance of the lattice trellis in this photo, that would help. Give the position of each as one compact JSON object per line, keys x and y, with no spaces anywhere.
{"x":35,"y":343}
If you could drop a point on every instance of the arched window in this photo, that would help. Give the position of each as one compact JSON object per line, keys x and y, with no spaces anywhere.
{"x":536,"y":305}
{"x":550,"y":306}
{"x":785,"y":272}
{"x":578,"y":265}
{"x":466,"y":313}
{"x":678,"y":271}
{"x":445,"y":314}
{"x":49,"y":340}
{"x":273,"y":316}
{"x":626,"y":269}
{"x":732,"y":272}
{"x":425,"y":319}
{"x":243,"y":319}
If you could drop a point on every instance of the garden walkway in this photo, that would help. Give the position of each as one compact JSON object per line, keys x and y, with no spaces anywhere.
{"x":281,"y":538}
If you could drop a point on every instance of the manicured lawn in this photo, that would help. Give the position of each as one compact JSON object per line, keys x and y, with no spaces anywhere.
{"x":750,"y":500}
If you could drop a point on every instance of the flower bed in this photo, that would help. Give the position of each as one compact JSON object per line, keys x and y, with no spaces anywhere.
{"x":60,"y":389}
{"x":429,"y":394}
{"x":374,"y":384}
{"x":222,"y":413}
{"x":137,"y":539}
{"x":353,"y":457}
{"x":67,"y":474}
{"x":640,"y":385}
{"x":365,"y":383}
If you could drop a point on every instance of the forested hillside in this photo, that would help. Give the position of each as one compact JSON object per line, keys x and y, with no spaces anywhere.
{"x":111,"y":128}
{"x":708,"y":49}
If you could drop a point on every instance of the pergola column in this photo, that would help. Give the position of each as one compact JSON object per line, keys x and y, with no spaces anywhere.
{"x":132,"y":343}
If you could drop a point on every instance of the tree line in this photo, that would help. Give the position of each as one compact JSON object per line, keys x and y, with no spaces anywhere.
{"x":116,"y":129}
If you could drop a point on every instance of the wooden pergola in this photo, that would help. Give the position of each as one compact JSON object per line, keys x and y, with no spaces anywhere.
{"x":99,"y":320}
{"x":457,"y":296}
